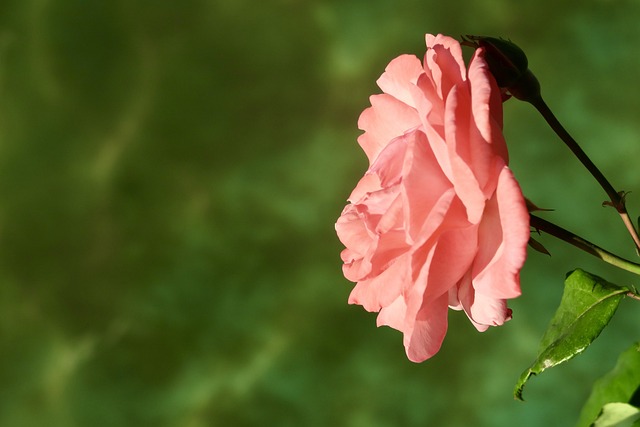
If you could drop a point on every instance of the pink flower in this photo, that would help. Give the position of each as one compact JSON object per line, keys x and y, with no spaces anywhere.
{"x":438,"y":221}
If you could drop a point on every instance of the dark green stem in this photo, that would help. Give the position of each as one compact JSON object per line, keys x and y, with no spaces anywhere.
{"x":617,"y":198}
{"x":577,"y":241}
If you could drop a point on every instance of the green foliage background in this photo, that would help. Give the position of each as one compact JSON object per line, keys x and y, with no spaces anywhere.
{"x":170,"y":173}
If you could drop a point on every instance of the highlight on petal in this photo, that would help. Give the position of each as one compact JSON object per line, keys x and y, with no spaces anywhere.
{"x":428,"y":331}
{"x":445,"y":63}
{"x":487,"y":105}
{"x":486,"y":311}
{"x":369,"y":183}
{"x":420,"y":170}
{"x":380,"y":291}
{"x":504,"y":235}
{"x":400,"y":76}
{"x":438,"y":220}
{"x":386,"y":119}
{"x":465,"y":181}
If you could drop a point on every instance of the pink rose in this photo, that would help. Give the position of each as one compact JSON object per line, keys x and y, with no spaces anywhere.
{"x":438,"y":221}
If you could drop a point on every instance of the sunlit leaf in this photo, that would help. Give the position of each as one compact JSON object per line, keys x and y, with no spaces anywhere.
{"x":587,"y":305}
{"x":618,"y":385}
{"x":618,"y":415}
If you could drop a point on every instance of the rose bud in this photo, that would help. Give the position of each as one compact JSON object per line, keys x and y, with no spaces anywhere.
{"x":509,"y":66}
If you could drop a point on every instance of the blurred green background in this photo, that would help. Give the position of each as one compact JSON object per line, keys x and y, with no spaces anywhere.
{"x":170,"y":173}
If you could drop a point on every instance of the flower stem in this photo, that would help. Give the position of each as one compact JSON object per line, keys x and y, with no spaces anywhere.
{"x":577,"y":241}
{"x":617,"y":198}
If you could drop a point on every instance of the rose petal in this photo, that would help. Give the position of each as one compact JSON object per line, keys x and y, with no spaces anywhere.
{"x":429,"y":329}
{"x":389,"y":163}
{"x":380,"y":291}
{"x":421,"y":171}
{"x":369,"y":183}
{"x":444,"y":60}
{"x":457,"y":135}
{"x":438,"y":220}
{"x":386,"y":119}
{"x":400,"y":76}
{"x":504,"y":235}
{"x":485,"y":137}
{"x":483,"y":311}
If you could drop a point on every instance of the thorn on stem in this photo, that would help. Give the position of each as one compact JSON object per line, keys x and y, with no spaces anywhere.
{"x":620,"y":203}
{"x":538,"y":246}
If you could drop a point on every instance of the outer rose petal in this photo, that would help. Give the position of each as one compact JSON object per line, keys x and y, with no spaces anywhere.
{"x":368,"y":184}
{"x":486,"y":143}
{"x":497,"y":268}
{"x":431,"y":112}
{"x":389,"y":163}
{"x":486,"y":311}
{"x":428,"y":332}
{"x":380,"y":291}
{"x":393,"y":314}
{"x":420,"y":170}
{"x":487,"y":102}
{"x":482,"y":311}
{"x":423,"y":334}
{"x":457,"y":133}
{"x":400,"y":76}
{"x":438,"y":221}
{"x":444,"y":60}
{"x":353,"y":232}
{"x":386,"y":119}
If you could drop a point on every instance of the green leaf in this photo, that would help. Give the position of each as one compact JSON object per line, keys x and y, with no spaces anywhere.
{"x":587,"y":305}
{"x":618,"y":415}
{"x":618,"y":385}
